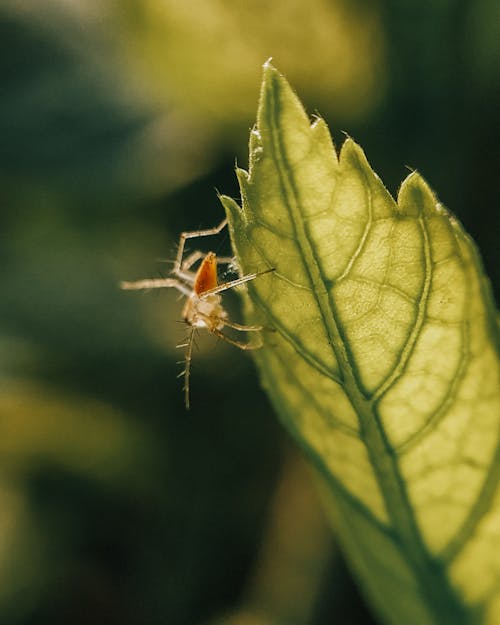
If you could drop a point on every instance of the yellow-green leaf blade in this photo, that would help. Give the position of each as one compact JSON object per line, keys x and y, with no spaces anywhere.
{"x":384,"y":363}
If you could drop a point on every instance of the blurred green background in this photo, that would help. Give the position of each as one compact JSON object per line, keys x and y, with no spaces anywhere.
{"x":119,"y":120}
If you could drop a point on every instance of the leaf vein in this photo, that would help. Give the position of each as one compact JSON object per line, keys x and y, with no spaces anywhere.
{"x":409,"y":347}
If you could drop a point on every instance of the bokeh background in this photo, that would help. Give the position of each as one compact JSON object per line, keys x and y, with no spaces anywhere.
{"x":119,"y":119}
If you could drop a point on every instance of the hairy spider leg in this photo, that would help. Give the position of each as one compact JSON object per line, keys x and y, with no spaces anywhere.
{"x":240,"y":327}
{"x":219,"y":334}
{"x":180,"y":270}
{"x":181,"y":267}
{"x":157,"y":283}
{"x":190,"y":260}
{"x":239,"y":344}
{"x":232,"y":283}
{"x":187,"y":365}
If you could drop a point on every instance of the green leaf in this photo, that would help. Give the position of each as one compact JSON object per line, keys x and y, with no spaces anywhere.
{"x":384,"y":364}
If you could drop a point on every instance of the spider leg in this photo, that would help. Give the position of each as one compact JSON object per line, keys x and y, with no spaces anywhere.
{"x":178,"y":265}
{"x":187,"y":363}
{"x":184,"y":272}
{"x":244,"y":328}
{"x":226,"y":260}
{"x":190,"y":260}
{"x":232,"y":283}
{"x":156,"y":283}
{"x":240,"y":327}
{"x":238,"y":344}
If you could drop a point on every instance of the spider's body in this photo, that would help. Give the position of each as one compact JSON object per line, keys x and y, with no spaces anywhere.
{"x":205,"y":311}
{"x":206,"y":276}
{"x":203,"y":307}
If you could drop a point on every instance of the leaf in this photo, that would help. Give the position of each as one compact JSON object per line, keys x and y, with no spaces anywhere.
{"x":384,"y":364}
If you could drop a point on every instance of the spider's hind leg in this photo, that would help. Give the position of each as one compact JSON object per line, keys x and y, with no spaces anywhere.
{"x":187,"y":363}
{"x":240,"y":327}
{"x":238,"y":344}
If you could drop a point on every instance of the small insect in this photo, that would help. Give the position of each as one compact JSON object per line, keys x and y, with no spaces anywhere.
{"x":203,"y":307}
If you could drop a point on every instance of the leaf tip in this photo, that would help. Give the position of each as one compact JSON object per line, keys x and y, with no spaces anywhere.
{"x":268,"y":64}
{"x":322,"y":134}
{"x":415,"y":197}
{"x":270,"y":75}
{"x":243,"y":177}
{"x":353,"y":154}
{"x":233,"y":210}
{"x":279,"y":107}
{"x":274,"y":84}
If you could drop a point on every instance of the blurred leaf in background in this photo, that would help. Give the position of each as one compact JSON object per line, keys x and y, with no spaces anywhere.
{"x":118,"y":120}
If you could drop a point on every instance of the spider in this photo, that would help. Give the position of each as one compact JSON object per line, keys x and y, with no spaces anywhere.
{"x":203,"y":307}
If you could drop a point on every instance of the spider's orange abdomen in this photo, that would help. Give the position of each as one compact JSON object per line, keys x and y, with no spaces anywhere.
{"x":206,"y":276}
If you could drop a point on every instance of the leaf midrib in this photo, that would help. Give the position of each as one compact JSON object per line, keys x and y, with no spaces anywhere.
{"x":433,"y":583}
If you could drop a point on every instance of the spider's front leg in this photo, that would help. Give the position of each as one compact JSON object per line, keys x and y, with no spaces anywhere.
{"x":156,"y":283}
{"x":232,"y":283}
{"x":189,"y":276}
{"x":179,"y":265}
